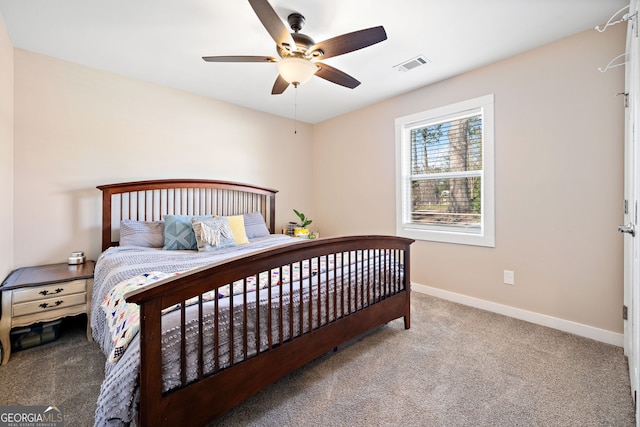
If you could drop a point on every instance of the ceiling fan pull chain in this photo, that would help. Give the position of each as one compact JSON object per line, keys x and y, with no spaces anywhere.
{"x":295,"y":110}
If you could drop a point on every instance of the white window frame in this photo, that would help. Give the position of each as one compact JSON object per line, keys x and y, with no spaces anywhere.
{"x":485,"y":236}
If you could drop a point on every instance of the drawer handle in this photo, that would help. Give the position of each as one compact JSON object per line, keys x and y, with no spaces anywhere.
{"x":46,"y":292}
{"x":46,"y":304}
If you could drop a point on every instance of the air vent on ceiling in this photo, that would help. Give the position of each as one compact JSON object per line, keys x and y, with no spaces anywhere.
{"x":412,"y":63}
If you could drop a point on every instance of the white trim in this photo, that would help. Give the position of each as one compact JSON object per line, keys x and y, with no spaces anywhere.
{"x":485,"y":235}
{"x":579,"y":329}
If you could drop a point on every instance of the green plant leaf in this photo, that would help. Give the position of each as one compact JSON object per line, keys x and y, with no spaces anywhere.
{"x":304,"y":221}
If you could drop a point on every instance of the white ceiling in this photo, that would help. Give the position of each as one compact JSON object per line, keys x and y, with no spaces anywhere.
{"x":163,"y":41}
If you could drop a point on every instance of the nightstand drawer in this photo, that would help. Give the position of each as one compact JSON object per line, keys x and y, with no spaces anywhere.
{"x":48,"y":291}
{"x":56,"y":302}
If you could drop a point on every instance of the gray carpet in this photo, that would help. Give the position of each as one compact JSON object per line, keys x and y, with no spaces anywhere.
{"x":67,"y":373}
{"x":456,"y":366}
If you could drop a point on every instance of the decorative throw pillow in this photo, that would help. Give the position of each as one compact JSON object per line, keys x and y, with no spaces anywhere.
{"x":147,"y":234}
{"x":236,"y":223}
{"x":255,"y":226}
{"x":212,"y":233}
{"x":178,"y":232}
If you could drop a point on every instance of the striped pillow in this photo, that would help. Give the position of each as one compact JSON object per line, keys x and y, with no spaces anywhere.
{"x":146,"y":234}
{"x":255,"y":226}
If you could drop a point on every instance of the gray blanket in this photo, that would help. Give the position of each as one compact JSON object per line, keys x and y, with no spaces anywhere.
{"x":118,"y":395}
{"x":117,"y":403}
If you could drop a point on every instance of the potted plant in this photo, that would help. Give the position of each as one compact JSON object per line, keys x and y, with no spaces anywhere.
{"x":301,"y":230}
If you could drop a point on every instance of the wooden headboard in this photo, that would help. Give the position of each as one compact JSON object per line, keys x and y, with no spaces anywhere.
{"x":149,"y":200}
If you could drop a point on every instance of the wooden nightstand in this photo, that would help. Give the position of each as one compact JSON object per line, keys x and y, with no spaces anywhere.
{"x":42,"y":294}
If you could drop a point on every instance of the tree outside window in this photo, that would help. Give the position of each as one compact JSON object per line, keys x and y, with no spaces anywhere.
{"x":442,"y":173}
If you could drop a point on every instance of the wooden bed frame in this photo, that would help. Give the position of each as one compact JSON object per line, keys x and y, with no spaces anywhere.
{"x":199,"y":401}
{"x":149,"y":200}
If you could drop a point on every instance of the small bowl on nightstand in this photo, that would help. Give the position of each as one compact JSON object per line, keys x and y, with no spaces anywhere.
{"x":77,"y":258}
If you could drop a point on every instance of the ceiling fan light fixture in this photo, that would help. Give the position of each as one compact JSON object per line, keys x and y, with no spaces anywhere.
{"x":296,"y":70}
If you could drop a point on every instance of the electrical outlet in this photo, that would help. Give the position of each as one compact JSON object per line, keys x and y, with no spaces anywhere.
{"x":509,"y":277}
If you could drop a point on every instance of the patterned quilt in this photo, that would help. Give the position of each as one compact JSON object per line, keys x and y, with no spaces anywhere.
{"x":116,"y":403}
{"x":123,"y":318}
{"x":122,"y":269}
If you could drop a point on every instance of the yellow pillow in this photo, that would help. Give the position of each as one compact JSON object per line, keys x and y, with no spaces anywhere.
{"x":236,"y":223}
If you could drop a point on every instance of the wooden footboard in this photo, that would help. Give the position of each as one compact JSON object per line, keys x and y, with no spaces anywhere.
{"x":287,"y":325}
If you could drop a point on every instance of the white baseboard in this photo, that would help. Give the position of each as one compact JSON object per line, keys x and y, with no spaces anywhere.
{"x":586,"y":331}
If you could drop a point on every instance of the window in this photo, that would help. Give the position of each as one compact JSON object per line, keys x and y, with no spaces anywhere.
{"x":444,"y":174}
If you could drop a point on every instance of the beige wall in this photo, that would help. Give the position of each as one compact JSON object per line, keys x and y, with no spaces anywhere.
{"x":6,"y":151}
{"x":77,"y":127}
{"x":559,"y":175}
{"x":559,"y":135}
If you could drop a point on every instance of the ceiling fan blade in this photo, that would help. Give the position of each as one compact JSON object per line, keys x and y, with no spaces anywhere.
{"x":336,"y":76}
{"x":239,"y":58}
{"x":279,"y":86}
{"x":272,"y":23}
{"x":351,"y":41}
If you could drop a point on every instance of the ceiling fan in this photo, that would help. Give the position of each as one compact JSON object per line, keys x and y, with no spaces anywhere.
{"x":298,"y":52}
